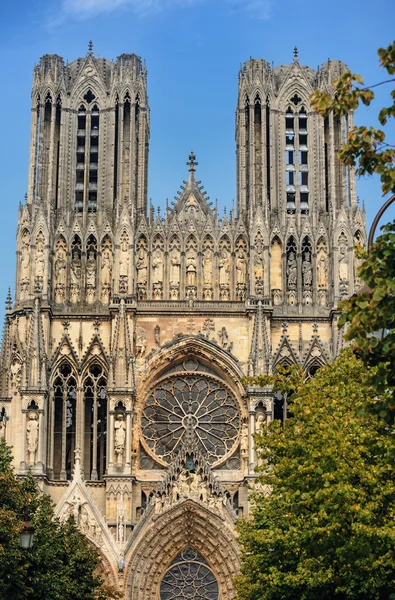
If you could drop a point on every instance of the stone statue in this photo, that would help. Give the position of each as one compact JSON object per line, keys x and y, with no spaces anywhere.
{"x":15,"y":374}
{"x":106,"y":267}
{"x":224,"y":267}
{"x":207,"y":263}
{"x":241,"y":267}
{"x":25,"y":258}
{"x":124,"y":257}
{"x":141,"y":266}
{"x":322,"y":271}
{"x":157,"y":336}
{"x":175,"y":265}
{"x":343,"y":264}
{"x":60,"y":269}
{"x":191,"y":268}
{"x":75,"y":272}
{"x":157,"y":266}
{"x":260,"y":421}
{"x":91,"y":270}
{"x":224,"y":338}
{"x":119,"y":438}
{"x":307,"y":271}
{"x":141,"y":342}
{"x":40,"y":261}
{"x":292,"y":270}
{"x":32,"y":436}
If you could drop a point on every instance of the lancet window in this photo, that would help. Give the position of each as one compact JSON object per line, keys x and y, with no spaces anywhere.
{"x":296,"y":161}
{"x":87,"y":158}
{"x":64,"y":422}
{"x":95,"y":422}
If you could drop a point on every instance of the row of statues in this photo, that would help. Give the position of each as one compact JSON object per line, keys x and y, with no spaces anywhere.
{"x":93,"y":279}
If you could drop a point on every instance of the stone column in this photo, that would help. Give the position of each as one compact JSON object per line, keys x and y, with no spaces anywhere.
{"x":251,"y":448}
{"x":23,"y":461}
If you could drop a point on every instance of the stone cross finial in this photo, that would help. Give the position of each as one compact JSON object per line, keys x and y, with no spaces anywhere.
{"x":192,"y":162}
{"x":90,"y":48}
{"x":296,"y":53}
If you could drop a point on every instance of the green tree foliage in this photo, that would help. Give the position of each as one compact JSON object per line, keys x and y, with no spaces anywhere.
{"x":371,"y":314}
{"x":61,"y":565}
{"x":326,"y":530}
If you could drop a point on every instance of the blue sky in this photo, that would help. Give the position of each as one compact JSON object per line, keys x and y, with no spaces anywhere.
{"x":193,"y":50}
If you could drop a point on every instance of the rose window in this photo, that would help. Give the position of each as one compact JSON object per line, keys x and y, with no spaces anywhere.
{"x":196,"y":405}
{"x":189,"y":577}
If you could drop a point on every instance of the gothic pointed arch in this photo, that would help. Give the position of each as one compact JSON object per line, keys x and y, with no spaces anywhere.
{"x":189,"y":524}
{"x":315,"y":357}
{"x":65,"y":352}
{"x":285,"y":354}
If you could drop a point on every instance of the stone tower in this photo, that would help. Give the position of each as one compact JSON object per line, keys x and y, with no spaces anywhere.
{"x":125,"y":349}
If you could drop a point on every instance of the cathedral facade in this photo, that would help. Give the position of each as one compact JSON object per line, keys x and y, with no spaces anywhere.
{"x":130,"y":333}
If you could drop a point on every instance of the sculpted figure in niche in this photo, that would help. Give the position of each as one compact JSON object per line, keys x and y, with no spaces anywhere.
{"x":40,"y":262}
{"x":292,"y":270}
{"x":75,"y":278}
{"x":32,"y":436}
{"x":307,"y":271}
{"x":157,"y":266}
{"x":141,"y":265}
{"x":119,"y":438}
{"x":191,"y":268}
{"x":343,"y":264}
{"x":106,"y":267}
{"x":60,"y":268}
{"x":15,"y":374}
{"x":175,"y":265}
{"x":25,"y":258}
{"x":224,"y":267}
{"x":207,"y":263}
{"x":322,"y":271}
{"x":124,"y":264}
{"x":260,"y":421}
{"x":258,"y":259}
{"x":241,"y":267}
{"x":91,"y":270}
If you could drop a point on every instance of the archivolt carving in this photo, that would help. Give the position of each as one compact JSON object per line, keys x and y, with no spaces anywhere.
{"x":187,"y":524}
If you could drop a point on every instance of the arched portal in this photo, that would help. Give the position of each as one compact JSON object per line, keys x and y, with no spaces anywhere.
{"x":161,"y":544}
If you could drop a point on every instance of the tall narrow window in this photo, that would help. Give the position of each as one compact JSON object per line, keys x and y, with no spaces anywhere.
{"x":57,"y":150}
{"x":87,"y":159}
{"x":296,"y":148}
{"x":247,"y":146}
{"x":80,"y":160}
{"x":93,"y":159}
{"x":116,"y":139}
{"x":268,"y":182}
{"x":64,"y":422}
{"x":137,"y":137}
{"x":258,"y":149}
{"x":37,"y":148}
{"x":95,"y":423}
{"x":126,"y":146}
{"x":326,"y":159}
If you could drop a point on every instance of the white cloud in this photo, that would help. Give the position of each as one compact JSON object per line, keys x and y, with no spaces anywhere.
{"x":87,"y":8}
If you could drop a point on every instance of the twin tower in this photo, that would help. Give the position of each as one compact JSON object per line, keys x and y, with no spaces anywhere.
{"x":130,"y":333}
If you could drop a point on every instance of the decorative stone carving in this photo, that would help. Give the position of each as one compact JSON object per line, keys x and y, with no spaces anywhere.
{"x":119,"y":438}
{"x":157,"y":264}
{"x":142,"y":269}
{"x":343,"y":268}
{"x":307,"y":297}
{"x":141,"y":342}
{"x":32,"y":436}
{"x":322,"y":270}
{"x":40,"y":259}
{"x":15,"y":373}
{"x":75,"y":279}
{"x":25,"y":257}
{"x":277,"y":297}
{"x":307,"y":271}
{"x":106,"y":273}
{"x":175,"y":266}
{"x":291,"y":271}
{"x":208,"y":326}
{"x":90,"y":278}
{"x":241,"y":271}
{"x":124,"y":264}
{"x":157,"y":336}
{"x":60,"y":267}
{"x":260,"y":420}
{"x":224,"y":338}
{"x":224,"y":270}
{"x":259,"y":265}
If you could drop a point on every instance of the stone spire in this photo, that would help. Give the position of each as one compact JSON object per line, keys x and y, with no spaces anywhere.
{"x":260,"y":355}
